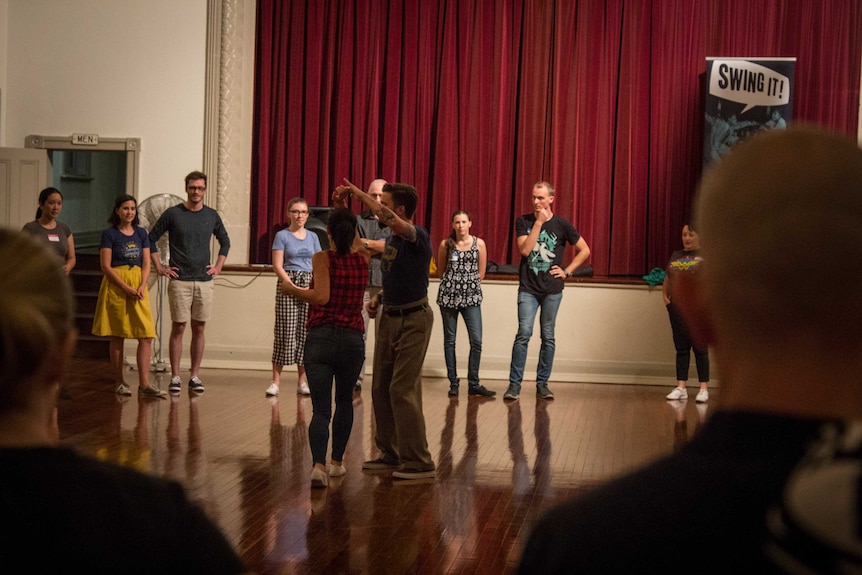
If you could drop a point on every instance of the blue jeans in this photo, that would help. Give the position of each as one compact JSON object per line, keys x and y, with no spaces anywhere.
{"x":528,"y":305}
{"x":332,"y":352}
{"x":473,"y":320}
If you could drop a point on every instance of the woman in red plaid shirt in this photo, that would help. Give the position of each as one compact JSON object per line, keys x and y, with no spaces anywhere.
{"x":334,"y":347}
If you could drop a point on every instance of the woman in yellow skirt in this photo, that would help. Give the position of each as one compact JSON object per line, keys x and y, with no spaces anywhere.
{"x":123,"y":308}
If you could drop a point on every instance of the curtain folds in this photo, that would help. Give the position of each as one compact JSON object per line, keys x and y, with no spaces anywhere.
{"x":473,"y":101}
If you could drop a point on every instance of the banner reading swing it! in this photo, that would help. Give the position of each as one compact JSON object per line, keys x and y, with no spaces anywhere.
{"x":744,"y":95}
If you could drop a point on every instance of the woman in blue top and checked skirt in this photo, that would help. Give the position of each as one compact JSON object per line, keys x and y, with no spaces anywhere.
{"x":292,"y":249}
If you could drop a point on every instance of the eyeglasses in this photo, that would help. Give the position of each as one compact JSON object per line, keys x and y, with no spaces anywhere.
{"x":299,"y":212}
{"x":196,"y":188}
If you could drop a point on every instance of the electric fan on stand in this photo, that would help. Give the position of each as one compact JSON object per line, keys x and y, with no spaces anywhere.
{"x":149,"y":211}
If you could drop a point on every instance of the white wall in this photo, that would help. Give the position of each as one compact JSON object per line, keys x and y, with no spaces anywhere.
{"x":117,"y":68}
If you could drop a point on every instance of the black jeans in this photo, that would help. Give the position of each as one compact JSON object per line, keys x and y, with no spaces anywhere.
{"x":332,"y":352}
{"x":683,"y":344}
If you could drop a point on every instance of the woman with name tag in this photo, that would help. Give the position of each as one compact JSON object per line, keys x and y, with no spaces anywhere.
{"x":46,"y":226}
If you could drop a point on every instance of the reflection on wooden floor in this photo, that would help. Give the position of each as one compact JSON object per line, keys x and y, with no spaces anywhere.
{"x":245,"y":459}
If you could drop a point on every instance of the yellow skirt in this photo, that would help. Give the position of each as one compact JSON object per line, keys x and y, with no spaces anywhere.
{"x":119,"y":315}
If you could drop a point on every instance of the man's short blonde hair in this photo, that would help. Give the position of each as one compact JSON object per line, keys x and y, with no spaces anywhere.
{"x":545,"y":184}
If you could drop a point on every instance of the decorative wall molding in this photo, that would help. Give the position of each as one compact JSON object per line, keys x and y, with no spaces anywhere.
{"x":228,"y":115}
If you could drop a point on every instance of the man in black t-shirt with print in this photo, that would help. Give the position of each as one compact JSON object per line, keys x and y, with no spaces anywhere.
{"x":542,"y":238}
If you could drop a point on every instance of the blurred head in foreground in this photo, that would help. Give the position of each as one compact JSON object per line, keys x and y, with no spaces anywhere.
{"x":36,"y":330}
{"x":780,"y":297}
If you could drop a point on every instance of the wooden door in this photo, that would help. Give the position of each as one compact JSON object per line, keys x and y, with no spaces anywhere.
{"x":24,"y":172}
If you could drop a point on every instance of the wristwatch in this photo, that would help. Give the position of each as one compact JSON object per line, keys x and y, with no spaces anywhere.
{"x":568,"y":274}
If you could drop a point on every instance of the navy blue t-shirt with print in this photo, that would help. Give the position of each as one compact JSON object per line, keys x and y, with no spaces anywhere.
{"x":125,"y":250}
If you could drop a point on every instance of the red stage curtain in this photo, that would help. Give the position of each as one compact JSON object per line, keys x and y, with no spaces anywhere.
{"x":473,"y":101}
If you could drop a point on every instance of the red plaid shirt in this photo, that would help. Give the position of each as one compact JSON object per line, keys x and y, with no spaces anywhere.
{"x":348,"y":276}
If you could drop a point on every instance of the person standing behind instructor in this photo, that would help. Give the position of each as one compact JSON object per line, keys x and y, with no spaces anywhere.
{"x":190,"y":291}
{"x":542,"y":238}
{"x":373,"y":236}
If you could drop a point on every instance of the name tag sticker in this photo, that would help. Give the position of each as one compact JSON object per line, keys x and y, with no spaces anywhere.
{"x":53,"y":238}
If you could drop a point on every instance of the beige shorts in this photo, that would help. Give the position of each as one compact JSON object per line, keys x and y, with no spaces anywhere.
{"x":190,"y":300}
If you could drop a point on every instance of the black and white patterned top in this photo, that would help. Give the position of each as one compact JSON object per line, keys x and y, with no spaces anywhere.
{"x":460,"y":285}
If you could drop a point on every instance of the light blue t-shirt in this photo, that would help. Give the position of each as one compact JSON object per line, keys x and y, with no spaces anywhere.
{"x":297,"y":253}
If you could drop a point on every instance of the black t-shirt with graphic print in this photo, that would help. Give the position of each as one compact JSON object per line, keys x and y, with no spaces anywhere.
{"x":533,"y":273}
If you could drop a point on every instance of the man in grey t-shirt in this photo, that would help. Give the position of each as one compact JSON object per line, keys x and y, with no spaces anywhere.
{"x":190,"y":292}
{"x":374,"y":239}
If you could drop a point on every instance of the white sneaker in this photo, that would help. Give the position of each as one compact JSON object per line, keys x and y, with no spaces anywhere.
{"x":678,"y":393}
{"x":123,"y":389}
{"x":272,"y":389}
{"x":702,"y":396}
{"x":318,"y":478}
{"x":336,"y":470}
{"x":303,"y":388}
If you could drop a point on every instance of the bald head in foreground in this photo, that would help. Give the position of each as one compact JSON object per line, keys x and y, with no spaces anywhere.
{"x":779,"y":302}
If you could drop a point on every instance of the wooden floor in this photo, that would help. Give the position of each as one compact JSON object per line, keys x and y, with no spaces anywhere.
{"x":245,"y":459}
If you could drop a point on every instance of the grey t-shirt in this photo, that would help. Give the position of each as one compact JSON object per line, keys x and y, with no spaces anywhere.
{"x":189,"y":239}
{"x":370,"y":229}
{"x":58,"y":238}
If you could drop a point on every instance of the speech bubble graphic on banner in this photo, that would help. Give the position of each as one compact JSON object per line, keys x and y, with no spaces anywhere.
{"x":748,"y":83}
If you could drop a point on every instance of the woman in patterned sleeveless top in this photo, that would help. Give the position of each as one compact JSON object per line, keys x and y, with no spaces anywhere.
{"x":461,"y":259}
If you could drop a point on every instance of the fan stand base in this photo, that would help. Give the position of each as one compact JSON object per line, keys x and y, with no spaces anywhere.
{"x":157,"y":366}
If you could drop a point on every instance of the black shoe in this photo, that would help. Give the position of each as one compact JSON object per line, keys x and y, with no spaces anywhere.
{"x":453,"y":391}
{"x":481,"y":390}
{"x":512,"y":392}
{"x":196,"y":385}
